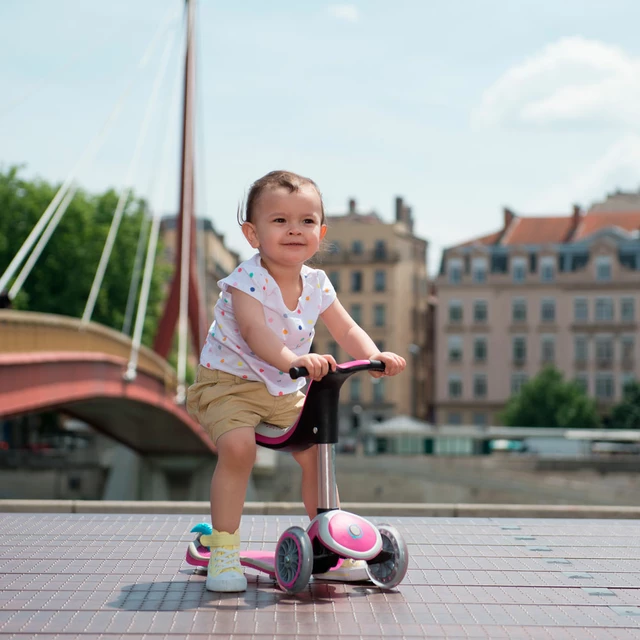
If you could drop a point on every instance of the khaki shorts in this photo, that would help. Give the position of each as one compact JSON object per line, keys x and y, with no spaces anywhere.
{"x":221,"y":402}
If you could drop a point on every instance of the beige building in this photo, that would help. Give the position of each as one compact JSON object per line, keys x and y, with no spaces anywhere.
{"x":219,"y":261}
{"x":379,"y":270}
{"x":560,"y":291}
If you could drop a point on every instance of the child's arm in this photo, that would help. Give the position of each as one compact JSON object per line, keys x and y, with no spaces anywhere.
{"x":356,"y":341}
{"x":249,"y":314}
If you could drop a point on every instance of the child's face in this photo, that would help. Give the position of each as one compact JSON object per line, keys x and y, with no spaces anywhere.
{"x":286,"y":227}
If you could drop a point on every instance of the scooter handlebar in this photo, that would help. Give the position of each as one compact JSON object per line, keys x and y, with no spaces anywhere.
{"x":351,"y":367}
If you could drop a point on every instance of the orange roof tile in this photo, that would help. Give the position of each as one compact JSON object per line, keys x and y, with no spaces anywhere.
{"x":595,"y":221}
{"x":489,"y":239}
{"x":538,"y":230}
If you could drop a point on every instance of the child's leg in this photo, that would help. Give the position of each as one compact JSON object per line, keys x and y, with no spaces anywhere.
{"x":308,"y":461}
{"x":236,"y":457}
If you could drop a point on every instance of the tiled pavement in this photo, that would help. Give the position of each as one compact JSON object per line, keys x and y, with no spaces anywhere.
{"x":65,"y":576}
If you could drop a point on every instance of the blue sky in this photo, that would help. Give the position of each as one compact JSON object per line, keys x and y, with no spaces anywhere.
{"x":461,"y":107}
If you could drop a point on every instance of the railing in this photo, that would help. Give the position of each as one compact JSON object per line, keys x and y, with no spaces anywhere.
{"x":364,"y":257}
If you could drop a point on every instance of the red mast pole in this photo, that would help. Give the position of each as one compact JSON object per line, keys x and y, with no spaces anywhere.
{"x":186,"y":217}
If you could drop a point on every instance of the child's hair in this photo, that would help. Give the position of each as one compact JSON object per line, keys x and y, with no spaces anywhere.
{"x":273,"y":180}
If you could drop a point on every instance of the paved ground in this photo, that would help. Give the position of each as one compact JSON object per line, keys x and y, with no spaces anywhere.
{"x":84,"y":576}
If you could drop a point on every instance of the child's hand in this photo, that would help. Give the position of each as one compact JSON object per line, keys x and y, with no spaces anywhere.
{"x":318,"y":366}
{"x":393,"y":364}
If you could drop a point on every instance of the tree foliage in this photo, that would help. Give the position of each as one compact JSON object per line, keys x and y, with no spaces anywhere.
{"x":549,"y":401}
{"x":62,"y":277}
{"x":626,"y":414}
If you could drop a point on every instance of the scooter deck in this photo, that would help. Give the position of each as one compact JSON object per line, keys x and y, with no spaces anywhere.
{"x":198,"y":556}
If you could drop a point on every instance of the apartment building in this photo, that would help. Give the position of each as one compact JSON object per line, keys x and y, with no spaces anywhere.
{"x":217,"y":262}
{"x":560,"y":291}
{"x":379,"y":270}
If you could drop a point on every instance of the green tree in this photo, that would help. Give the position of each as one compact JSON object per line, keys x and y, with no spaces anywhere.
{"x":549,"y":401}
{"x":61,"y":278}
{"x":626,"y":414}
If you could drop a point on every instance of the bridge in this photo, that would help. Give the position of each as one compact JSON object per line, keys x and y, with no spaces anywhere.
{"x":101,"y":376}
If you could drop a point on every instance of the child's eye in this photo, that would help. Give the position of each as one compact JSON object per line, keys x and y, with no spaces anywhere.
{"x":309,"y":221}
{"x":279,"y":220}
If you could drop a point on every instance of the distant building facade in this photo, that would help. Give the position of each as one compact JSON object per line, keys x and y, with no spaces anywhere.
{"x":217,"y":261}
{"x":560,"y":291}
{"x":380,"y":272}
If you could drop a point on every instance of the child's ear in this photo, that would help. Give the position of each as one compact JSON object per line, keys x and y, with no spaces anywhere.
{"x":323,"y":231}
{"x":250,"y":234}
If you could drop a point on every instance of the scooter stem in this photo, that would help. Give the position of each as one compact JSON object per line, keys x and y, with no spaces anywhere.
{"x":327,"y":489}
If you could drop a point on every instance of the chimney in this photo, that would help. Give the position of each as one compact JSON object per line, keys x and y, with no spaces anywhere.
{"x":399,"y":209}
{"x":408,"y":217}
{"x":508,"y":217}
{"x":352,"y":206}
{"x":577,"y":214}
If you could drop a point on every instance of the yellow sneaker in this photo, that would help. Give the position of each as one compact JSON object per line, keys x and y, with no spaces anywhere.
{"x":348,"y":571}
{"x":224,"y":572}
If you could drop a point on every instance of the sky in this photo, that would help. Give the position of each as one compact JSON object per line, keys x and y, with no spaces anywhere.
{"x":461,"y":107}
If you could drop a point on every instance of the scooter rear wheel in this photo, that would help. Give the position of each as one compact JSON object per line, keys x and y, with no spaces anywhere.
{"x":391,"y":572}
{"x":293,"y":560}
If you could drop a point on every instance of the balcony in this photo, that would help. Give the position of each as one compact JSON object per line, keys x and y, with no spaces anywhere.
{"x":363,"y":257}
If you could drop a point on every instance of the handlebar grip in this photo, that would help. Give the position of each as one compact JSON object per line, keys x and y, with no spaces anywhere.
{"x":298,"y":372}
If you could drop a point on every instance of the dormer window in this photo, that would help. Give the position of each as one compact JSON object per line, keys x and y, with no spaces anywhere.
{"x":479,"y":268}
{"x":518,"y":269}
{"x":454,"y":270}
{"x":603,"y":268}
{"x":547,"y":269}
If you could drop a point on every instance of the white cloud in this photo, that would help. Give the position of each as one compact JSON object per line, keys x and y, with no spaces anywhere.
{"x":618,"y":167}
{"x":571,"y":81}
{"x":347,"y":12}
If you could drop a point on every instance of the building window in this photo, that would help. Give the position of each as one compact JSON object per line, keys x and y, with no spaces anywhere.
{"x":454,"y":418}
{"x":356,"y":313}
{"x":455,"y":386}
{"x":356,"y":281}
{"x":379,"y":315}
{"x":547,"y":269}
{"x":380,"y":250}
{"x":519,"y":349}
{"x":604,"y":351}
{"x":480,"y":385}
{"x":454,"y":348}
{"x":627,"y":310}
{"x":518,"y":269}
{"x":380,"y":345}
{"x":627,"y":350}
{"x":605,"y":388}
{"x":580,"y":309}
{"x":518,"y":380}
{"x":580,"y":349}
{"x":454,"y":270}
{"x":334,"y":277}
{"x":378,"y":390}
{"x":603,"y":268}
{"x":480,"y":349}
{"x":548,"y":310}
{"x":380,"y":280}
{"x":604,"y":309}
{"x":479,"y":270}
{"x":626,"y":379}
{"x":480,"y":312}
{"x":582,"y":382}
{"x":480,"y":419}
{"x":455,"y":311}
{"x":334,"y":247}
{"x":518,"y":310}
{"x":356,"y":247}
{"x":548,"y":349}
{"x":333,"y":349}
{"x":355,"y":389}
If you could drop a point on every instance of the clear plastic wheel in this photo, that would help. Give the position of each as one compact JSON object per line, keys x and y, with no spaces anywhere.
{"x":390,"y":572}
{"x":293,"y":560}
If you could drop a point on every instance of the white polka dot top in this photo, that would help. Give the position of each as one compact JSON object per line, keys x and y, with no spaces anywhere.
{"x":225,"y":349}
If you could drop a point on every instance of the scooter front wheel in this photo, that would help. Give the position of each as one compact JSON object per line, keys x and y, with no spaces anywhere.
{"x":390,"y":572}
{"x":293,"y":560}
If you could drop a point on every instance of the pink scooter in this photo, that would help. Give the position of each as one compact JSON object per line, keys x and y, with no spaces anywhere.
{"x":333,"y":534}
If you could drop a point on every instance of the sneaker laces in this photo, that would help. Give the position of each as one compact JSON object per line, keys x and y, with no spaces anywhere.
{"x":224,"y":559}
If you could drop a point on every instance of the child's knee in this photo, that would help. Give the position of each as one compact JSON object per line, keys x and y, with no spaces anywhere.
{"x":306,"y":457}
{"x":237,"y":448}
